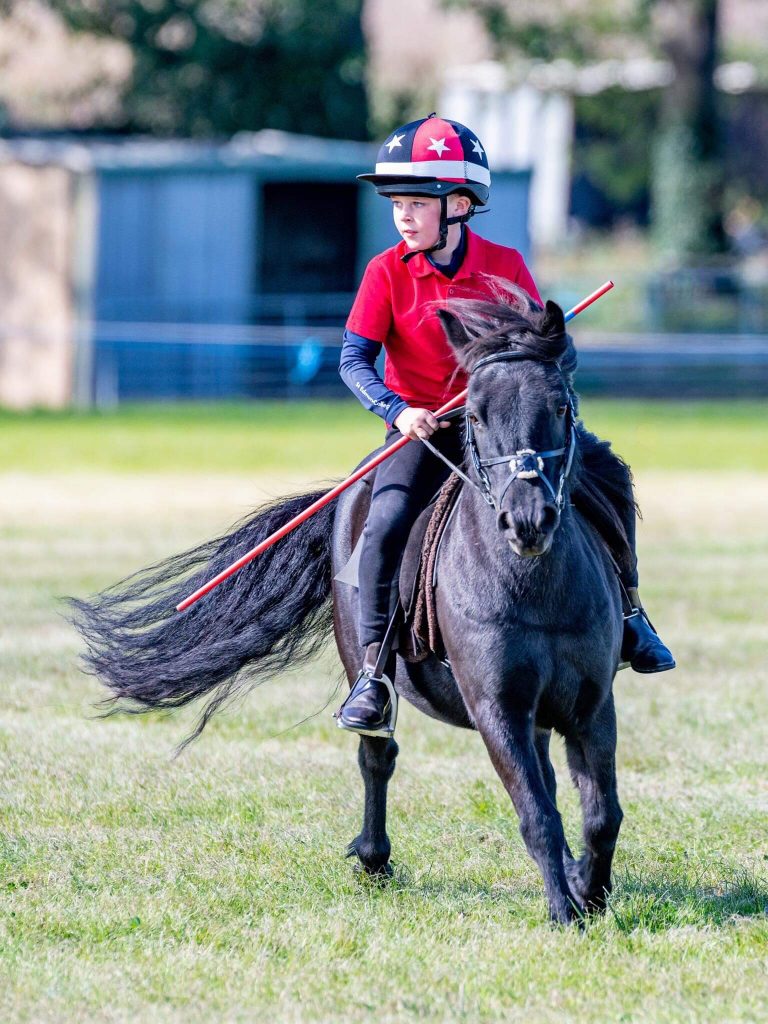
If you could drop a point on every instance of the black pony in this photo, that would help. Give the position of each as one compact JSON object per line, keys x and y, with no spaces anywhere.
{"x":528,"y":603}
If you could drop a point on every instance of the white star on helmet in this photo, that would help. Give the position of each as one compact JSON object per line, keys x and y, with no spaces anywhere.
{"x":477,"y":148}
{"x":394,"y":142}
{"x":438,"y":145}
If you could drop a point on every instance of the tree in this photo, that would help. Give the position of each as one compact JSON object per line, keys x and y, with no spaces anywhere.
{"x":687,"y":177}
{"x":215,"y":67}
{"x":686,"y":155}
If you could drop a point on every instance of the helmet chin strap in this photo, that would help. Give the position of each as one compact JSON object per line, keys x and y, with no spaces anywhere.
{"x":442,"y":238}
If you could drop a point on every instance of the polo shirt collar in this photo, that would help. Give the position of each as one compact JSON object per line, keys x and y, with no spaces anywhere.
{"x":472,"y":263}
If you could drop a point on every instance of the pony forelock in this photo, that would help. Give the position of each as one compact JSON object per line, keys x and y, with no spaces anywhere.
{"x":510,"y":320}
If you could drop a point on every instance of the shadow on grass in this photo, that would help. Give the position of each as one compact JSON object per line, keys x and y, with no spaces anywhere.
{"x":660,"y":902}
{"x":651,"y":903}
{"x":459,"y":895}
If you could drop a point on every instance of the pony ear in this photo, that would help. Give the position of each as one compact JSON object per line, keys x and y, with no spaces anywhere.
{"x":553,"y":325}
{"x":455,"y":331}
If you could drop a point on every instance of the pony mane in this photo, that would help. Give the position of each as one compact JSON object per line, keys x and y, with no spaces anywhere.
{"x":511,"y":321}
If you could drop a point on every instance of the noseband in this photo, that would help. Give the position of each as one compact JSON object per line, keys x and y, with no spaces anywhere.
{"x":525,"y":463}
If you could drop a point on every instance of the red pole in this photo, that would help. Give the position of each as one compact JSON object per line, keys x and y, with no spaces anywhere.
{"x":337,"y":490}
{"x":588,"y":301}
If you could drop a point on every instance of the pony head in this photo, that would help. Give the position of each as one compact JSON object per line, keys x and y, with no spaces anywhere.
{"x":520,"y":407}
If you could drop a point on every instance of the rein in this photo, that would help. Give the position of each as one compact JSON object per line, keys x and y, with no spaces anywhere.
{"x":525,"y":463}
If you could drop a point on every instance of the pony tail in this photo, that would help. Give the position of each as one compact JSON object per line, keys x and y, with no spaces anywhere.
{"x":274,"y":611}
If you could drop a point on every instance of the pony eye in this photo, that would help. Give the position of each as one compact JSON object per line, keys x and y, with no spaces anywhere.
{"x":474,"y":420}
{"x":562,"y":409}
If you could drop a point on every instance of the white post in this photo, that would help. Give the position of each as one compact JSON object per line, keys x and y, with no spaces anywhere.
{"x":522,"y":127}
{"x":85,"y":204}
{"x":551,"y":182}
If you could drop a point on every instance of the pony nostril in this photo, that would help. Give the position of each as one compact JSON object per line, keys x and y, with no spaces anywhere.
{"x":504,"y":521}
{"x":547,"y":518}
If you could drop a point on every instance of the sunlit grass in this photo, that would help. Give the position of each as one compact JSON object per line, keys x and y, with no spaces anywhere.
{"x":329,"y":438}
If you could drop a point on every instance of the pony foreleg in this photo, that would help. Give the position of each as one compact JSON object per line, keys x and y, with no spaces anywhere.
{"x":509,"y":740}
{"x":376,"y":758}
{"x":592,"y":762}
{"x":541,"y":741}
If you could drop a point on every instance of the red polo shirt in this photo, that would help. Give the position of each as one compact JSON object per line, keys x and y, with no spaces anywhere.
{"x":393,"y":306}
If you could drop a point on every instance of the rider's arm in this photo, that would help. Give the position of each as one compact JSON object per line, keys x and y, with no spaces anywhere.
{"x":357,"y":368}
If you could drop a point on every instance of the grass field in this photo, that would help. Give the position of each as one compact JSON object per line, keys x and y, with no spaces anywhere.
{"x":213,"y":887}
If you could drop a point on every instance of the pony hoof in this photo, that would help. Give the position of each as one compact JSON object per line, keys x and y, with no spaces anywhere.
{"x":595,"y":904}
{"x":384,"y":871}
{"x":588,"y":900}
{"x":379,"y":875}
{"x":370,"y":862}
{"x":569,"y":916}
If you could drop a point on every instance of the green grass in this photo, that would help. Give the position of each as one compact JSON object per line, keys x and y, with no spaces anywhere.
{"x":213,"y":887}
{"x":260,"y":437}
{"x":322,"y":438}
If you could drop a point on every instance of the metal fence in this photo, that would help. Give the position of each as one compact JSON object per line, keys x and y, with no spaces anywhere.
{"x":117,"y":361}
{"x":213,"y":361}
{"x":216,"y":361}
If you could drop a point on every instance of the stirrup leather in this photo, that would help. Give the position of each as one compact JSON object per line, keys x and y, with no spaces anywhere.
{"x":388,"y":729}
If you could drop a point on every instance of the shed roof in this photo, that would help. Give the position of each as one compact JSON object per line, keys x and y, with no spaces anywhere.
{"x":267,"y":150}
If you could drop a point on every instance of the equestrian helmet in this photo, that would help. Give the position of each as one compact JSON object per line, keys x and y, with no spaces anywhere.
{"x":432,"y":156}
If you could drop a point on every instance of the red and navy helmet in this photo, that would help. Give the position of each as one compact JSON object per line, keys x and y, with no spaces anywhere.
{"x":433,"y":157}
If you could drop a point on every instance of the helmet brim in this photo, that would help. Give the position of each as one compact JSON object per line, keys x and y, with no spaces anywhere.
{"x":386,"y":185}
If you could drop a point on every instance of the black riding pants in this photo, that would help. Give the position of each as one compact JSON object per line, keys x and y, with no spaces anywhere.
{"x":402,"y":489}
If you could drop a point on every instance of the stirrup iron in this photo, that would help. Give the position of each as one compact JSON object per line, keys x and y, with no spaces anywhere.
{"x":387,"y":730}
{"x":376,"y":672}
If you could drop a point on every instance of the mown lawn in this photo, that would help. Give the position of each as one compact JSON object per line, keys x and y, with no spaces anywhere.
{"x":328,"y":437}
{"x":213,"y":887}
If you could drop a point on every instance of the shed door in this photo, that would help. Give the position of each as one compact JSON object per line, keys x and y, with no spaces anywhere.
{"x":309,"y":238}
{"x":175,"y":247}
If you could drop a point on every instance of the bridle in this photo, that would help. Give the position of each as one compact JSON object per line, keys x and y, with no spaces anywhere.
{"x":525,"y":463}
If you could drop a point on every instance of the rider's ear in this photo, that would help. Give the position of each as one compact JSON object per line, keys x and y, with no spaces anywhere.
{"x":553,"y":324}
{"x":454,"y":330}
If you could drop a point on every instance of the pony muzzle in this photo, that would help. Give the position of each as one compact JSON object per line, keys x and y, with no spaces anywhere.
{"x":529,"y":535}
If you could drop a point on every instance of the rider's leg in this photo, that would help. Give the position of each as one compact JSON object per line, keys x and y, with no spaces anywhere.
{"x":642,"y":647}
{"x":403,"y":486}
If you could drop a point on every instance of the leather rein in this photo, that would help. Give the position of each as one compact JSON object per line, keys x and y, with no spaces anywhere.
{"x":525,"y":463}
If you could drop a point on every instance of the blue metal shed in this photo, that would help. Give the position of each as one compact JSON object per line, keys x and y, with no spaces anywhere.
{"x":214,"y":270}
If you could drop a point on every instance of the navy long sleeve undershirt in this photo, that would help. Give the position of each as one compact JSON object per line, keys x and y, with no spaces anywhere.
{"x":357,"y":367}
{"x":357,"y":364}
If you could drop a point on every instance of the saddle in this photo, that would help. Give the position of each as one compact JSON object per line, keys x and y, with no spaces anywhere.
{"x":419,"y":633}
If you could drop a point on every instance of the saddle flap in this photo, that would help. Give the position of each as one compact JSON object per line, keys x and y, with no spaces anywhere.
{"x":417,"y":587}
{"x":350,"y":573}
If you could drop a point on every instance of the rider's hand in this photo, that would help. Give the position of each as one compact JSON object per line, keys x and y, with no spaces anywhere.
{"x":416,"y":423}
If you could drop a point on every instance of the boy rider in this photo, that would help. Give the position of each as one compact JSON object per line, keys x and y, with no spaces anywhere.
{"x":435,"y":173}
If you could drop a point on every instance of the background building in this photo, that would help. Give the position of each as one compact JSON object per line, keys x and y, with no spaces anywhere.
{"x":157,"y":269}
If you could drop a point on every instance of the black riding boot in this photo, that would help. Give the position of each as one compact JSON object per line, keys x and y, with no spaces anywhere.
{"x":641,"y":645}
{"x":368,"y":709}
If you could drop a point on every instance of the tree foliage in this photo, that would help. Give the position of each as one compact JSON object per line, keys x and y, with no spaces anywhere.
{"x":611,"y":148}
{"x":576,"y":30}
{"x":683,"y":159}
{"x":208,"y":67}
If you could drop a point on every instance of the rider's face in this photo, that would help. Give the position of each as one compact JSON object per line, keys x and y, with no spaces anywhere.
{"x":417,"y":218}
